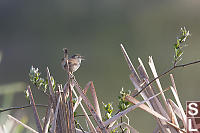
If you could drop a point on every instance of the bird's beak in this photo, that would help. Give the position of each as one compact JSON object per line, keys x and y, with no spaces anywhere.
{"x":82,"y":58}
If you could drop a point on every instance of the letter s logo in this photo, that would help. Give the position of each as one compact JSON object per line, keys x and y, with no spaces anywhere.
{"x":193,"y":109}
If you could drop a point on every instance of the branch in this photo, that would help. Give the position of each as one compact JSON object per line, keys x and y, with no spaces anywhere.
{"x":166,"y":72}
{"x":188,"y":64}
{"x":22,"y":107}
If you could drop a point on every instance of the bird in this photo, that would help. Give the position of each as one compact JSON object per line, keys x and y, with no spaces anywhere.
{"x":74,"y":62}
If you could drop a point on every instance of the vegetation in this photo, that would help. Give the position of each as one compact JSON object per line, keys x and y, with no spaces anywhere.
{"x":61,"y":115}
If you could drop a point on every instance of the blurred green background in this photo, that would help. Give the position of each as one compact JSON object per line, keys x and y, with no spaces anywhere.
{"x":34,"y":33}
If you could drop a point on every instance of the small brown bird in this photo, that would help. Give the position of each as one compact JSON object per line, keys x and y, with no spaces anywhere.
{"x":74,"y":62}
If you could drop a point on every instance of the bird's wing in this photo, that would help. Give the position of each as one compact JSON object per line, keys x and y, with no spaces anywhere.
{"x":72,"y":62}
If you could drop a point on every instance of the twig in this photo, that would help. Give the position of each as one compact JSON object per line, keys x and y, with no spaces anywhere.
{"x":121,"y":126}
{"x":187,"y":64}
{"x":81,"y":115}
{"x":22,"y":107}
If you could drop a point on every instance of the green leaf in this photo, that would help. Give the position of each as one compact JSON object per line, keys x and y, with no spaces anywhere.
{"x":39,"y":82}
{"x":178,"y":47}
{"x":108,"y":110}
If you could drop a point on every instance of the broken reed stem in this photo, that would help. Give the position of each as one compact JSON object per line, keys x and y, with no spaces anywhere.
{"x":84,"y":111}
{"x":80,"y":98}
{"x":131,"y":67}
{"x":91,"y":108}
{"x":47,"y":117}
{"x":96,"y":103}
{"x":166,"y":72}
{"x":37,"y":120}
{"x":53,"y":127}
{"x":53,"y":98}
{"x":71,"y":113}
{"x":50,"y":86}
{"x":69,"y":87}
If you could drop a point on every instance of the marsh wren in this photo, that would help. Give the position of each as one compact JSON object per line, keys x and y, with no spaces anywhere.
{"x":74,"y":62}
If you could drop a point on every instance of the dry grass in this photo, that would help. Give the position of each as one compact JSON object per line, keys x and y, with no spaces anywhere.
{"x":60,"y":110}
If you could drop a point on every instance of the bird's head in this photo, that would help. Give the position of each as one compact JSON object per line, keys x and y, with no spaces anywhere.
{"x":78,"y":56}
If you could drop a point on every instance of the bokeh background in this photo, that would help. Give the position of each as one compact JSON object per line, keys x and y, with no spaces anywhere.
{"x":34,"y":33}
